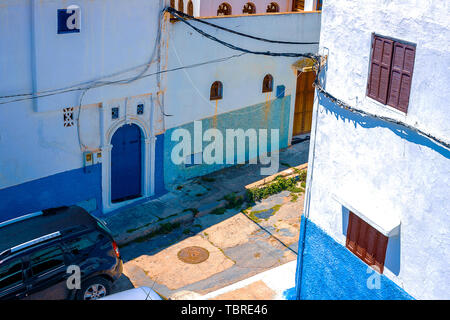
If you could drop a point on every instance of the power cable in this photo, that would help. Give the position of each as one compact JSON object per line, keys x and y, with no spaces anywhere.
{"x":106,"y":83}
{"x":184,"y":15}
{"x":233,"y":47}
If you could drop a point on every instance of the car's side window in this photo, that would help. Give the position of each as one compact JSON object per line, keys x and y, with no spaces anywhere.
{"x":46,"y":260}
{"x":10,"y":274}
{"x":82,"y":244}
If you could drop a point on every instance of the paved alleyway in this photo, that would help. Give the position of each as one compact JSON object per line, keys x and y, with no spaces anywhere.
{"x":241,"y":241}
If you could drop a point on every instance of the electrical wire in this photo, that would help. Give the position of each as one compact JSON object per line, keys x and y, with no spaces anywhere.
{"x":102,"y":84}
{"x":233,"y":47}
{"x":184,"y":15}
{"x":316,"y":58}
{"x":83,"y":147}
{"x":346,"y":106}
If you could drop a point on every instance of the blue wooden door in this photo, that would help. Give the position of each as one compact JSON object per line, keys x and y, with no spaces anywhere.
{"x":126,"y":163}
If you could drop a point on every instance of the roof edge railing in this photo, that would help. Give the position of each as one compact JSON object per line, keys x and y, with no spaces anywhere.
{"x":21,"y":218}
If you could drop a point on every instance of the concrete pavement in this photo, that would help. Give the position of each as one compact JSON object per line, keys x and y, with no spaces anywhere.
{"x":241,"y":243}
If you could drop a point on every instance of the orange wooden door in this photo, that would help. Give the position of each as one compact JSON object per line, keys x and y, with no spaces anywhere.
{"x":304,"y":101}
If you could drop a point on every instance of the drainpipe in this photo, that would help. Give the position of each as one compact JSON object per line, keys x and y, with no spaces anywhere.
{"x":33,"y":22}
{"x":305,"y":214}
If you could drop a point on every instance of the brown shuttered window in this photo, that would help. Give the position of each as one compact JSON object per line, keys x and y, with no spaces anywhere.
{"x":366,"y":242}
{"x":391,"y":69}
{"x":401,"y":75}
{"x":380,"y":69}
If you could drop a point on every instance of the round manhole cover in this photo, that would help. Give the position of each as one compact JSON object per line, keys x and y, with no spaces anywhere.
{"x":193,"y":255}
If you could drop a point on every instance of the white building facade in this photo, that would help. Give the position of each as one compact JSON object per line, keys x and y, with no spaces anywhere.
{"x":210,"y":8}
{"x":378,"y":191}
{"x":86,"y":119}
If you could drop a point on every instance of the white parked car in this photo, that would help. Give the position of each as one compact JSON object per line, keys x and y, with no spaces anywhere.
{"x":140,"y":293}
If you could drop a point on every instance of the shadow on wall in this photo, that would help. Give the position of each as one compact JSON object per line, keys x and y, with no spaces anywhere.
{"x":370,"y":122}
{"x":393,"y":251}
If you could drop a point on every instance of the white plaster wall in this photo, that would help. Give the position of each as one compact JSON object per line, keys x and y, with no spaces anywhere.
{"x":209,"y":7}
{"x":115,"y":36}
{"x":188,"y":92}
{"x":374,"y":164}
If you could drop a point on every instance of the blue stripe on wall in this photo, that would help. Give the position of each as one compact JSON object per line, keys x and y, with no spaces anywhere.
{"x":274,"y":114}
{"x":332,"y":272}
{"x":159,"y":165}
{"x":66,"y":188}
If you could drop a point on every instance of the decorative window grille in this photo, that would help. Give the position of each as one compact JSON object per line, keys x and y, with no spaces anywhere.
{"x":140,"y":109}
{"x":115,"y":113}
{"x":68,"y":117}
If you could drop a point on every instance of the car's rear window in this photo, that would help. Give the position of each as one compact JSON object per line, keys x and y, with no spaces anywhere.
{"x":83,"y":244}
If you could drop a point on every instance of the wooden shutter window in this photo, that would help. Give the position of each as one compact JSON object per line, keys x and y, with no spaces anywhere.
{"x":401,"y":76}
{"x":380,"y":69}
{"x":267,"y":84}
{"x":190,"y":8}
{"x":366,"y":242}
{"x":216,"y":91}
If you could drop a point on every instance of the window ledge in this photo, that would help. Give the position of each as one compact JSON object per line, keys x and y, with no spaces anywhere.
{"x":385,"y":106}
{"x":385,"y":220}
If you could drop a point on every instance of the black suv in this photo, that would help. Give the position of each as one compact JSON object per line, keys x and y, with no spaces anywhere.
{"x":62,"y":253}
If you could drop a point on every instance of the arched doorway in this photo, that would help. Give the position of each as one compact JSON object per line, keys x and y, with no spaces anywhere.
{"x":126,"y":163}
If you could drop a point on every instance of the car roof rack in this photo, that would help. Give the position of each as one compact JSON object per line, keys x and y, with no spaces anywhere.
{"x":21,"y":218}
{"x":30,"y":243}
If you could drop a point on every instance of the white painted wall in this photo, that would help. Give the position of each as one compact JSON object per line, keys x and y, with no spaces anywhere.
{"x":374,"y":165}
{"x":115,"y":35}
{"x":189,"y":89}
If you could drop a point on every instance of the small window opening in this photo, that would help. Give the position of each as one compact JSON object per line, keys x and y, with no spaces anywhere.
{"x":273,"y":7}
{"x":224,"y":9}
{"x":190,"y":8}
{"x":267,"y":83}
{"x":249,"y":8}
{"x":216,"y":91}
{"x":366,"y":242}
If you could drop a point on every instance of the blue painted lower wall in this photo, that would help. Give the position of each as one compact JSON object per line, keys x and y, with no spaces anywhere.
{"x":330,"y":271}
{"x":66,"y":188}
{"x":159,"y":165}
{"x":274,"y":114}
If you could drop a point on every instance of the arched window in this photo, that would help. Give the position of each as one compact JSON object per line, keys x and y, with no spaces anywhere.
{"x":273,"y":7}
{"x":224,"y":9}
{"x":190,"y":8}
{"x":216,"y":91}
{"x":180,"y":5}
{"x":249,"y":8}
{"x":299,"y":5}
{"x":319,"y":5}
{"x":267,"y":83}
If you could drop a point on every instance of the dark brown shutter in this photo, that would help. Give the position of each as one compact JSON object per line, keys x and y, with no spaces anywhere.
{"x":401,"y":76}
{"x":366,"y":242}
{"x":380,"y":69}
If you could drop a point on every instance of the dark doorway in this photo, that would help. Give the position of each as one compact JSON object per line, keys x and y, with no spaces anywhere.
{"x":126,"y":164}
